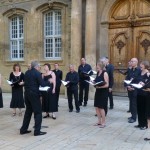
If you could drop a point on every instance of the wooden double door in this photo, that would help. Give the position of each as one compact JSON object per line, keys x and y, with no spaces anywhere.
{"x":129,"y":36}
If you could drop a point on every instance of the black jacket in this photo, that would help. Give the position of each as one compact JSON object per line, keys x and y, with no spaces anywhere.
{"x":86,"y":69}
{"x":33,"y":79}
{"x":110,"y":71}
{"x":73,"y":77}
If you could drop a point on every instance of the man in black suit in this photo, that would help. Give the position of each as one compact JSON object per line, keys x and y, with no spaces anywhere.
{"x":83,"y":85}
{"x":59,"y":76}
{"x":33,"y":80}
{"x":133,"y":75}
{"x":110,"y":71}
{"x":72,"y":78}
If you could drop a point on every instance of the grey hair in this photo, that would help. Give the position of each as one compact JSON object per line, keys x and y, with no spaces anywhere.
{"x":35,"y":64}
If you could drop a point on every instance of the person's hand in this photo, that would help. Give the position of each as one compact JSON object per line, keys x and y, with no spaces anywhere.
{"x":142,"y":83}
{"x":147,"y":90}
{"x":130,"y":88}
{"x":21,"y":83}
{"x":110,"y":90}
{"x":53,"y":91}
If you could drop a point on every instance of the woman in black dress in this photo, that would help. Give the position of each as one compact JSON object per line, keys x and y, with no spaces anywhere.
{"x":101,"y":94}
{"x":141,"y":97}
{"x":17,"y":77}
{"x":1,"y":98}
{"x":49,"y":102}
{"x":148,"y":107}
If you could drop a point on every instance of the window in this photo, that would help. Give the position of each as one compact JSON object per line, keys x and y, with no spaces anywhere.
{"x":16,"y":38}
{"x":52,"y":35}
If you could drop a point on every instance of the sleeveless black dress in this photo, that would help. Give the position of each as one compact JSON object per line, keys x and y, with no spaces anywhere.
{"x":17,"y":100}
{"x":49,"y":102}
{"x":101,"y":95}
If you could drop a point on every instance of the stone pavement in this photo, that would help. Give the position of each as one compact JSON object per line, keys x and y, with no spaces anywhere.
{"x":72,"y":131}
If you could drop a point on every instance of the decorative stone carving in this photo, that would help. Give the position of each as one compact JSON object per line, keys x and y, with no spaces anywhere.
{"x":145,"y":44}
{"x":120,"y":44}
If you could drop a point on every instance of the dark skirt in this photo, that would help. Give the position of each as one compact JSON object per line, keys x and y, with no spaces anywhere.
{"x":49,"y":102}
{"x":148,"y":106}
{"x":17,"y":100}
{"x":101,"y":97}
{"x":1,"y":99}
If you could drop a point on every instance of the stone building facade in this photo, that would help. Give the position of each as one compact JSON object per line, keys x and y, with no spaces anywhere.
{"x":63,"y":31}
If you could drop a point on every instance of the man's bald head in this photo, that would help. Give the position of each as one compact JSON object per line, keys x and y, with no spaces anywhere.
{"x":134,"y":62}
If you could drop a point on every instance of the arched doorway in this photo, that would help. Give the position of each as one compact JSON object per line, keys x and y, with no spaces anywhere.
{"x":129,"y":35}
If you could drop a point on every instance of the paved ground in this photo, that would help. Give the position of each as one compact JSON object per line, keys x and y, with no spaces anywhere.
{"x":72,"y":131}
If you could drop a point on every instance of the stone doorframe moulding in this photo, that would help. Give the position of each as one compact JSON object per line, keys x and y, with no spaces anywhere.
{"x":104,"y":25}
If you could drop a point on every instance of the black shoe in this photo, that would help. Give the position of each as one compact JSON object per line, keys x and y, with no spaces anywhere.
{"x":137,"y":126}
{"x":40,"y":133}
{"x":70,"y":110}
{"x":85,"y":105}
{"x":111,"y":107}
{"x":77,"y":111}
{"x":143,"y":128}
{"x":80,"y":104}
{"x":25,"y":132}
{"x":131,"y":120}
{"x":46,"y":116}
{"x":147,"y":139}
{"x":95,"y":115}
{"x":128,"y":111}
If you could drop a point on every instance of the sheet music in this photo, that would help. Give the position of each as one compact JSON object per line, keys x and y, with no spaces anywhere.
{"x":9,"y":82}
{"x":127,"y":81}
{"x":44,"y":88}
{"x":139,"y":86}
{"x":64,"y":82}
{"x":92,"y":78}
{"x":94,"y":72}
{"x":90,"y":82}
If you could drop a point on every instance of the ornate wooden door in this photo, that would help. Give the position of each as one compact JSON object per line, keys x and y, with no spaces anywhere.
{"x":129,"y":35}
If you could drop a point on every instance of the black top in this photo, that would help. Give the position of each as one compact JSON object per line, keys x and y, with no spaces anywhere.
{"x":134,"y":73}
{"x":33,"y":79}
{"x":86,"y":68}
{"x":110,"y":71}
{"x":73,"y":77}
{"x":16,"y":80}
{"x":59,"y":76}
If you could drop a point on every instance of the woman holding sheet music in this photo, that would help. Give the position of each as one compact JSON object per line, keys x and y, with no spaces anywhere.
{"x":1,"y":98}
{"x":101,"y":94}
{"x":17,"y":79}
{"x":141,"y":97}
{"x":49,"y":102}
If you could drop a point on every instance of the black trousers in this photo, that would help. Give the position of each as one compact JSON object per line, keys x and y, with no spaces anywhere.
{"x":70,"y":94}
{"x":111,"y":102}
{"x":57,"y":91}
{"x":83,"y":92}
{"x":129,"y":101}
{"x":141,"y":110}
{"x":133,"y":101}
{"x":33,"y":105}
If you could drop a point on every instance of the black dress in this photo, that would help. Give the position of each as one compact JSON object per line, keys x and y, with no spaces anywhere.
{"x":101,"y":95}
{"x":1,"y":99}
{"x":17,"y":100}
{"x":49,"y":102}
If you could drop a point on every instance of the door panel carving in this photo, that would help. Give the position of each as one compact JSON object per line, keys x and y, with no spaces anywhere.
{"x":129,"y":35}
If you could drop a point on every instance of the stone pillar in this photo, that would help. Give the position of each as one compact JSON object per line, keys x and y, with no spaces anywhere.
{"x":76,"y":32}
{"x":90,"y":37}
{"x":90,"y":32}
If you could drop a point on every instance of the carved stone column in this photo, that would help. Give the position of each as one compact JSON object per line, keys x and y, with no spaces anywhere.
{"x":90,"y":32}
{"x":76,"y":32}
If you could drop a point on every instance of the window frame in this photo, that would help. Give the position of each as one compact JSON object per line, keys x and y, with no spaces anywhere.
{"x":53,"y":36}
{"x":18,"y":39}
